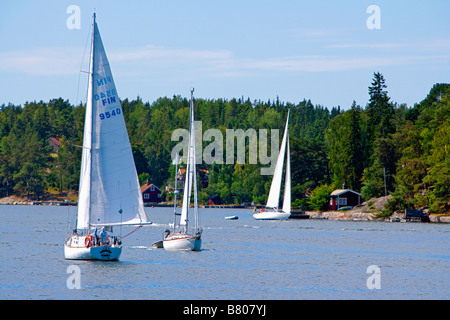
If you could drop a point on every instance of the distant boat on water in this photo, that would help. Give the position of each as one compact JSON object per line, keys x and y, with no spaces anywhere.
{"x":272,"y":210}
{"x":109,"y":194}
{"x":181,"y":238}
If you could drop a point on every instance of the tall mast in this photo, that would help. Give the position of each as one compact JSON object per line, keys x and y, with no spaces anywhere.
{"x":84,"y":194}
{"x":175,"y":195}
{"x":194,"y":164}
{"x":91,"y":98}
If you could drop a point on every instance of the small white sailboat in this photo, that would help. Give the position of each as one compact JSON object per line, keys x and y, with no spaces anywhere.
{"x":272,"y":211}
{"x":109,"y":194}
{"x":180,"y":238}
{"x":159,"y":244}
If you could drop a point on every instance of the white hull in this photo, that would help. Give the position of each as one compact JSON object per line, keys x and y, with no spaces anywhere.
{"x":104,"y":253}
{"x":77,"y":253}
{"x":183,"y":242}
{"x":272,"y":215}
{"x":74,"y":249}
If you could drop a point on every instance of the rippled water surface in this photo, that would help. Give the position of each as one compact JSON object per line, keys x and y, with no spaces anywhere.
{"x":241,"y":259}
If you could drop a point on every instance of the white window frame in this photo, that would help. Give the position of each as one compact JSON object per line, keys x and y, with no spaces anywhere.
{"x":342,"y":201}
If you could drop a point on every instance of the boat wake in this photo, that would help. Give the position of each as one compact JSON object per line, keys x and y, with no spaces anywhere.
{"x":139,"y":247}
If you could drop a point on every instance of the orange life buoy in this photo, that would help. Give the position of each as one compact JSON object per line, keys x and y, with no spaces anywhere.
{"x":87,"y":241}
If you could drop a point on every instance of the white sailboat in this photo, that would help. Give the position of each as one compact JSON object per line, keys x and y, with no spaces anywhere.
{"x":181,"y":238}
{"x":109,"y":194}
{"x":159,"y":244}
{"x":272,"y":211}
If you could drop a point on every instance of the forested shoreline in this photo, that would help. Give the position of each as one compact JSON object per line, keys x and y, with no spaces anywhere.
{"x":377,"y":149}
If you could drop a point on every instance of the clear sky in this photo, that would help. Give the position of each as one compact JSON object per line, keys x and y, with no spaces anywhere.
{"x":319,"y":50}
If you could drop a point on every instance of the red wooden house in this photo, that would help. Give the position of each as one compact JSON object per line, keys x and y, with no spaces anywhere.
{"x":55,"y":143}
{"x":150,"y":193}
{"x":344,"y":198}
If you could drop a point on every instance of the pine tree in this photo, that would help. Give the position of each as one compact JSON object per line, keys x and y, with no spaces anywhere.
{"x":380,"y":112}
{"x":379,"y":149}
{"x":356,"y":148}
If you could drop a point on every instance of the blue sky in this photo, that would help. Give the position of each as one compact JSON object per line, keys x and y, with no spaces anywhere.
{"x":318,"y":50}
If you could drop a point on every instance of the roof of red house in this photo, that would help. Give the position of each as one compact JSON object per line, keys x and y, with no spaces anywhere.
{"x":56,"y":140}
{"x":148,"y":185}
{"x":339,"y":192}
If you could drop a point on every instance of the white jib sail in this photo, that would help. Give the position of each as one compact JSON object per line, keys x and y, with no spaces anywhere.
{"x":275,"y":187}
{"x":191,"y":172}
{"x":287,"y":184}
{"x":109,"y":186}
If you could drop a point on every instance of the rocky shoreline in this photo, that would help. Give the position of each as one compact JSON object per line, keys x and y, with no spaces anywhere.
{"x":64,"y":199}
{"x":366,"y":212}
{"x":367,"y":216}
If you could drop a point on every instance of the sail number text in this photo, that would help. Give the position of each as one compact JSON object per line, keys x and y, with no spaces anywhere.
{"x":109,"y":114}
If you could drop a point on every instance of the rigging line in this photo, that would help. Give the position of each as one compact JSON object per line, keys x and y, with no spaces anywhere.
{"x":131,"y":232}
{"x":81,"y":65}
{"x":68,"y":220}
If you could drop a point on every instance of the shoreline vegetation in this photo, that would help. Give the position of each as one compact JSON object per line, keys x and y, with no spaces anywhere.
{"x":382,"y":148}
{"x":367,"y":211}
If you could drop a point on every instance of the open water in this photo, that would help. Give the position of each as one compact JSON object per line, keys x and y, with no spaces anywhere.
{"x":241,"y":259}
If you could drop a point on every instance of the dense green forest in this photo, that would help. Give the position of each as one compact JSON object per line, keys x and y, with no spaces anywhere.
{"x":382,"y":148}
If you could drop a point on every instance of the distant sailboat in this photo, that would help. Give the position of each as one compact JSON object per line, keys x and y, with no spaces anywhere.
{"x":109,"y":192}
{"x":159,"y":244}
{"x":180,"y":238}
{"x":271,"y":211}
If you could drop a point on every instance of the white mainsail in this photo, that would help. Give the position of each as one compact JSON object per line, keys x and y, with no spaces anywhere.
{"x":109,"y":187}
{"x":275,"y":188}
{"x":287,"y":180}
{"x":191,"y":173}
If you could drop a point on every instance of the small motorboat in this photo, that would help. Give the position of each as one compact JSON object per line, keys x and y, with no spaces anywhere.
{"x":232,"y":218}
{"x":158,"y":244}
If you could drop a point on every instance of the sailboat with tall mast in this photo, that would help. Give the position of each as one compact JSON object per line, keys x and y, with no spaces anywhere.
{"x":109,"y":194}
{"x":272,"y":210}
{"x":181,"y":238}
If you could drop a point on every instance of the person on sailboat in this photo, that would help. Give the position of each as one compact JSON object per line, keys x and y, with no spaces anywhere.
{"x":96,"y":237}
{"x":103,"y":237}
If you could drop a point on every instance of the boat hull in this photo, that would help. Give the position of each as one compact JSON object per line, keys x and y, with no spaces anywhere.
{"x":74,"y":249}
{"x":104,"y":253}
{"x":77,"y":253}
{"x":272,"y":215}
{"x":183,"y":243}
